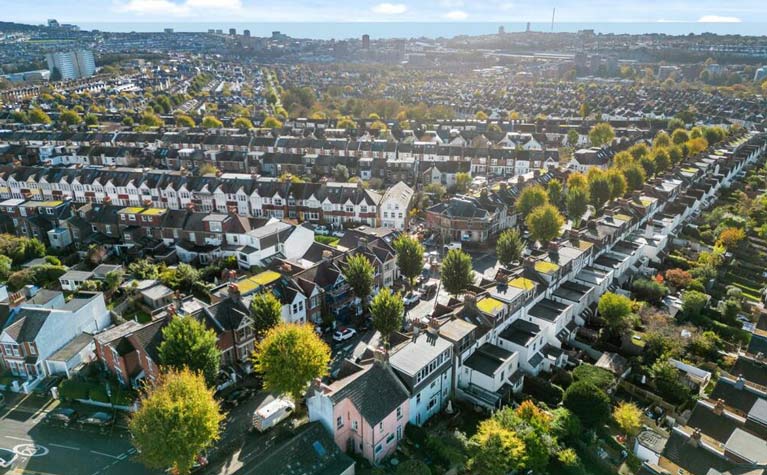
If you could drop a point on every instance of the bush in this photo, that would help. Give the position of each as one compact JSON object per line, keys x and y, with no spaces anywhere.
{"x":74,"y":389}
{"x":417,"y":434}
{"x":542,"y":390}
{"x":588,"y":373}
{"x":649,"y":290}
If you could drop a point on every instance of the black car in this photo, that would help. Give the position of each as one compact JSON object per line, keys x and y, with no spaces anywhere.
{"x":62,"y":415}
{"x":98,"y":419}
{"x":44,"y":388}
{"x":429,"y":291}
{"x":234,"y":398}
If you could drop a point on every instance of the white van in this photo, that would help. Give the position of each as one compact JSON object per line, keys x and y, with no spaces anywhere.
{"x":268,"y":416}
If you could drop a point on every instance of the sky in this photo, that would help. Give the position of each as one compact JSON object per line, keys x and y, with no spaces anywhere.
{"x":497,"y":11}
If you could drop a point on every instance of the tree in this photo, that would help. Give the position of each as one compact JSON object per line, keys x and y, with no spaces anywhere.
{"x":69,"y":117}
{"x":601,"y":134}
{"x":589,"y":403}
{"x":91,"y":120}
{"x":667,"y":381}
{"x":272,"y":123}
{"x":96,"y":254}
{"x":413,"y":467}
{"x":617,"y":183}
{"x":730,"y":237}
{"x":387,"y":312}
{"x":150,"y":119}
{"x":680,"y":136}
{"x":341,"y":173}
{"x":678,"y":278}
{"x":615,"y":309}
{"x":576,"y":204}
{"x":456,"y":272}
{"x":359,"y":273}
{"x":113,"y":280}
{"x":662,"y":160}
{"x":211,"y":122}
{"x":635,"y":177}
{"x":436,"y":190}
{"x":177,"y":419}
{"x":599,"y":190}
{"x":572,"y":137}
{"x":554,"y":190}
{"x":183,"y":120}
{"x":577,"y":180}
{"x":266,"y":311}
{"x":143,"y":269}
{"x":693,"y":302}
{"x":409,"y":257}
{"x":509,"y":247}
{"x":649,"y":290}
{"x":544,"y":223}
{"x":6,"y":264}
{"x":530,"y":198}
{"x":628,"y":417}
{"x":661,"y":140}
{"x":462,"y":182}
{"x":180,"y":278}
{"x":243,"y":123}
{"x":38,"y":116}
{"x":495,"y":450}
{"x":294,"y":347}
{"x":187,"y":343}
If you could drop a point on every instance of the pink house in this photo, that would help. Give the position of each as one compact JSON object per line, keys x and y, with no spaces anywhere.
{"x":365,"y":411}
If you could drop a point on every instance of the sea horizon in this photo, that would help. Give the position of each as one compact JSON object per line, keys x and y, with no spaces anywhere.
{"x":385,"y":30}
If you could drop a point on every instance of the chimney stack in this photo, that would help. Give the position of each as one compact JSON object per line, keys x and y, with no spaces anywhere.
{"x":740,"y":383}
{"x":381,"y":357}
{"x":695,"y":438}
{"x":719,"y":407}
{"x":234,"y":291}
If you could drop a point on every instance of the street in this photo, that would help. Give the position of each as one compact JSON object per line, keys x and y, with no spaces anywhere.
{"x":46,"y":449}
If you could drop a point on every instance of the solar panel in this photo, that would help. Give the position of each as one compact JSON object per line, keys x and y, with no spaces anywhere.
{"x":318,"y":448}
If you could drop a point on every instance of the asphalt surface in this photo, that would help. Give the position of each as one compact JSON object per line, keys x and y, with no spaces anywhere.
{"x":47,"y":449}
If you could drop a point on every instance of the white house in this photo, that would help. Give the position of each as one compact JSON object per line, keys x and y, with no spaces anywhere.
{"x":395,"y":205}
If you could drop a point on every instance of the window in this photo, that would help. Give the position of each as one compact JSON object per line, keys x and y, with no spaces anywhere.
{"x":389,"y":439}
{"x":399,"y":413}
{"x":339,"y":422}
{"x":379,"y":447}
{"x":380,"y":427}
{"x":354,"y":426}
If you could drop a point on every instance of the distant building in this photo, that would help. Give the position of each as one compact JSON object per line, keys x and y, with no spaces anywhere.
{"x":246,"y":33}
{"x":665,"y":72}
{"x":232,"y":31}
{"x":211,"y":31}
{"x":52,"y":23}
{"x":760,"y":74}
{"x":502,"y":30}
{"x":365,"y":41}
{"x":71,"y":64}
{"x":168,"y":30}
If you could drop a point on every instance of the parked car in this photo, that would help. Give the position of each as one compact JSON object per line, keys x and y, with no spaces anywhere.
{"x":8,"y":458}
{"x":429,"y":291}
{"x":2,"y":400}
{"x":271,"y":414}
{"x":343,"y":334}
{"x":234,"y":398}
{"x":62,"y":415}
{"x":321,"y":230}
{"x":97,"y":419}
{"x":338,"y":233}
{"x":411,"y":298}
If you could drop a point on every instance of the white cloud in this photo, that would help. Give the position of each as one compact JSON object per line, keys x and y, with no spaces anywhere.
{"x":390,"y":8}
{"x":451,"y":3}
{"x":456,"y":15}
{"x":718,"y":19}
{"x":185,"y":9}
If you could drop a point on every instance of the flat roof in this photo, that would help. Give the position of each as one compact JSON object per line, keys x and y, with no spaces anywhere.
{"x":419,"y":352}
{"x":490,"y":305}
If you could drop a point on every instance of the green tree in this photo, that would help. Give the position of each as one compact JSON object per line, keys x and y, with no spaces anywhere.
{"x":628,"y":417}
{"x":617,"y":183}
{"x":413,"y":467}
{"x":91,"y":120}
{"x":188,"y":344}
{"x":599,"y":190}
{"x":509,"y":247}
{"x":572,"y":137}
{"x":113,"y":280}
{"x":296,"y":347}
{"x":359,"y":274}
{"x":272,"y":123}
{"x":462,"y":182}
{"x":530,"y":198}
{"x":6,"y":264}
{"x":184,"y":120}
{"x":693,"y":302}
{"x":69,"y":117}
{"x":150,"y":119}
{"x":341,"y":173}
{"x":387,"y":312}
{"x":211,"y":122}
{"x":589,"y":403}
{"x":409,"y":257}
{"x":635,"y":177}
{"x":680,"y":136}
{"x":143,"y":269}
{"x":554,"y":190}
{"x":177,"y":419}
{"x":576,"y":204}
{"x":436,"y":190}
{"x":577,"y":180}
{"x":495,"y":450}
{"x":180,"y":278}
{"x":639,"y":150}
{"x":266,"y":311}
{"x":243,"y":123}
{"x":38,"y":116}
{"x":544,"y":223}
{"x":615,"y":310}
{"x":662,"y":160}
{"x":457,"y":272}
{"x":661,"y":140}
{"x":601,"y":134}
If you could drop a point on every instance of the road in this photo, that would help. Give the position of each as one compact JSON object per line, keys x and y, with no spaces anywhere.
{"x":53,"y":450}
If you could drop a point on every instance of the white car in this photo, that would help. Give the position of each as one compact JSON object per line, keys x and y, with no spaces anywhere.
{"x":412,"y":298}
{"x":8,"y":458}
{"x":344,"y":334}
{"x":338,"y":233}
{"x":321,"y":230}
